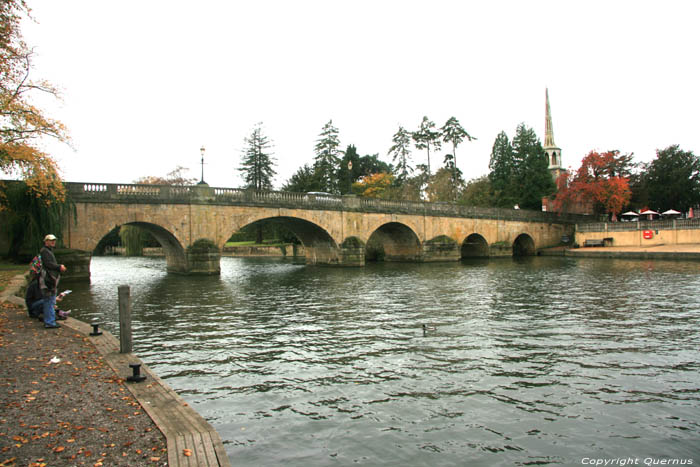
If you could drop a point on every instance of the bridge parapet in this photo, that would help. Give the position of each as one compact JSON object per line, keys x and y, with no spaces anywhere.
{"x":133,"y":193}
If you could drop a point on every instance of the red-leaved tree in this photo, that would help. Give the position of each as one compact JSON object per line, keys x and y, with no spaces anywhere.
{"x":602,"y":181}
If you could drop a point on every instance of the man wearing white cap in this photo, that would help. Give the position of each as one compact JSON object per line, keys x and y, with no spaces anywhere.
{"x":48,"y":280}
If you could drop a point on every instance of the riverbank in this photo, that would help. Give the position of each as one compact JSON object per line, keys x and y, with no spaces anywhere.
{"x":687,"y":251}
{"x":67,"y":400}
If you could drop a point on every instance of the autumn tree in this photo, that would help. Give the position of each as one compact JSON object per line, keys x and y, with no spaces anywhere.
{"x":22,"y":124}
{"x":353,"y":167}
{"x":400,"y":152}
{"x":257,"y":163}
{"x":597,"y":182}
{"x":327,"y":159}
{"x":427,"y":137}
{"x":374,"y":186}
{"x":176,"y":177}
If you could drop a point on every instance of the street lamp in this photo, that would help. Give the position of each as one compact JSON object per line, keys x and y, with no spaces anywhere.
{"x":202,"y":182}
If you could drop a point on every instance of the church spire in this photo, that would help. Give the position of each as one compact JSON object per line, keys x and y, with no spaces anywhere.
{"x":548,"y":130}
{"x":551,"y":150}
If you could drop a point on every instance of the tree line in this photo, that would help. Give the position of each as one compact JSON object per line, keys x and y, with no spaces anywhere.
{"x":338,"y":171}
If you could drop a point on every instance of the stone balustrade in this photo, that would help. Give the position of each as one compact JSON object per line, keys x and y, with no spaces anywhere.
{"x":197,"y":194}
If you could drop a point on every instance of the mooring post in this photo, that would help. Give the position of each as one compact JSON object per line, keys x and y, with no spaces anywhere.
{"x":125,"y":343}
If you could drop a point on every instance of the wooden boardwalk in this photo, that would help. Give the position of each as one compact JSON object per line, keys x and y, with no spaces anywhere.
{"x":185,"y":430}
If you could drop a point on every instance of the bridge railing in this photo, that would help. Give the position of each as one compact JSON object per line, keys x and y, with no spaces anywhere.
{"x":203,"y":194}
{"x":661,"y":224}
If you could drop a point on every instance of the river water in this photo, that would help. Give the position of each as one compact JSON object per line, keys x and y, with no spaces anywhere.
{"x":531,"y":361}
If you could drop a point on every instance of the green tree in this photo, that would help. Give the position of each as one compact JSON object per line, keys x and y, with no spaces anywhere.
{"x":503,"y":172}
{"x":132,"y":239}
{"x":27,"y":219}
{"x":477,"y":193}
{"x":534,"y":181}
{"x":452,"y":132}
{"x":442,"y":188}
{"x":400,"y":153}
{"x":349,"y":170}
{"x":353,"y":167}
{"x":426,"y":137}
{"x":257,"y":162}
{"x":673,"y":179}
{"x":305,"y":179}
{"x":327,"y":159}
{"x":455,"y":177}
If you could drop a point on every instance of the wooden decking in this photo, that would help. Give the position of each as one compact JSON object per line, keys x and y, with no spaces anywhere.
{"x":185,"y":430}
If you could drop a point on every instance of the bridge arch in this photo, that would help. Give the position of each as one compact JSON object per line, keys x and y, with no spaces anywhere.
{"x":175,"y":254}
{"x":475,"y":246}
{"x":319,"y":245}
{"x":524,"y":245}
{"x":393,"y":241}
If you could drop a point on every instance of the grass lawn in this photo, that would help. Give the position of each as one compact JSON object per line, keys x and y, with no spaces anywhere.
{"x":252,"y":243}
{"x":8,"y":270}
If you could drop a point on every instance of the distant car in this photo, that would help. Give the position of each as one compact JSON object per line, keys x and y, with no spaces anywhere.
{"x":318,"y":193}
{"x":323,"y":197}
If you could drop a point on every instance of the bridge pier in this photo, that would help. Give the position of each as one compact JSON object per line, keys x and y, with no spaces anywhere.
{"x":203,"y":258}
{"x":442,"y":248}
{"x":352,"y":252}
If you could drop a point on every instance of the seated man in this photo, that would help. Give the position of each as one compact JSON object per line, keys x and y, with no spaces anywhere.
{"x":34,"y":300}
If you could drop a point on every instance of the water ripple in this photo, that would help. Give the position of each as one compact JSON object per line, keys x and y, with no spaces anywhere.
{"x":534,"y":362}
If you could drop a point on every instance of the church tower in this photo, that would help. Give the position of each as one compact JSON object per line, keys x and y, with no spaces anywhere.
{"x":550,"y":149}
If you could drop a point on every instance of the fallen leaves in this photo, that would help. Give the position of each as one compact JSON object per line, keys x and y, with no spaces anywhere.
{"x":59,"y":411}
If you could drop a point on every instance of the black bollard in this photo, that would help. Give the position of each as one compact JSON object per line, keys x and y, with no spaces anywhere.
{"x":137,"y":377}
{"x":95,"y":329}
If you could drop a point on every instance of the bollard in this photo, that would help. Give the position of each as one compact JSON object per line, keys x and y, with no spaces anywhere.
{"x":125,"y":341}
{"x":137,"y":377}
{"x":95,"y":329}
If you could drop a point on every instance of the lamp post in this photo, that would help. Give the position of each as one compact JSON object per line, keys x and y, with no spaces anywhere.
{"x":202,"y":182}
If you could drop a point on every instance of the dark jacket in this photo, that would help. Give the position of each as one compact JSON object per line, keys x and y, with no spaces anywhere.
{"x":50,"y":272}
{"x":33,"y":294}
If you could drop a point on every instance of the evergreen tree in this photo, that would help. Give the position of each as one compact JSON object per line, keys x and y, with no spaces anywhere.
{"x":327,"y":160}
{"x":534,"y":181}
{"x":400,"y":153}
{"x":257,"y":162}
{"x":455,"y":177}
{"x":502,"y":175}
{"x":349,"y":171}
{"x":426,"y":137}
{"x":305,"y":179}
{"x":452,"y":132}
{"x":673,"y":179}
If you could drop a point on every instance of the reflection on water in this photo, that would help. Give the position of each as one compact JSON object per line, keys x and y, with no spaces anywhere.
{"x":530,"y":361}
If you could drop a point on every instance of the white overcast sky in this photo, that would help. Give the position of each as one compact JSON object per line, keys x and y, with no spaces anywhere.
{"x":146,"y":83}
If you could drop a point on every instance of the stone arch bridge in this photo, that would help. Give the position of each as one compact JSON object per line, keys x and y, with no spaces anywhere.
{"x":335,"y":230}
